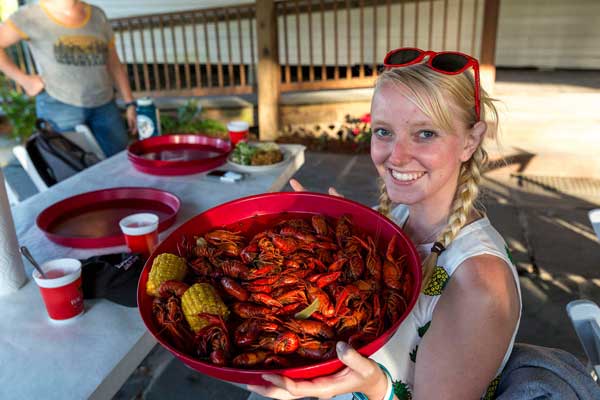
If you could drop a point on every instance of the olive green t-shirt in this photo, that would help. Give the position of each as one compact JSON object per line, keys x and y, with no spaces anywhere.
{"x":72,"y":60}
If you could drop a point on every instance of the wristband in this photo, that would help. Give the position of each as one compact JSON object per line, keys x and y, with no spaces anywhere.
{"x":389,"y":392}
{"x":130,"y":103}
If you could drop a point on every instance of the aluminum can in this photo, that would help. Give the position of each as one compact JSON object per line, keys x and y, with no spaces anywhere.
{"x":148,"y":122}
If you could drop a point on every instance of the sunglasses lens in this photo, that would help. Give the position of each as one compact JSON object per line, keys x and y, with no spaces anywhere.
{"x":402,"y":57}
{"x":449,"y":62}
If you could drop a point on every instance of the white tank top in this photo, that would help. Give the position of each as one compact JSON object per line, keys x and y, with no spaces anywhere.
{"x":399,"y":353}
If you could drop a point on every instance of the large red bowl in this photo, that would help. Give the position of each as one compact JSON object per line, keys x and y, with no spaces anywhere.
{"x":178,"y":154}
{"x":271,"y":206}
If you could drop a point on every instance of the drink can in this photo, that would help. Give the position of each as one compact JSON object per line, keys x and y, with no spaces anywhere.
{"x":148,"y":122}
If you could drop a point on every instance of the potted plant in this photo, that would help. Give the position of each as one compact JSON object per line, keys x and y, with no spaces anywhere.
{"x":188,"y":119}
{"x":19,"y":110}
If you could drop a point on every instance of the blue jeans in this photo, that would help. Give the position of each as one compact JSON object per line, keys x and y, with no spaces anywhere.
{"x":105,"y":121}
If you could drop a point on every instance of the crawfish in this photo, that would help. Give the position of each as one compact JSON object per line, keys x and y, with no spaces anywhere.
{"x":284,"y":343}
{"x":325,"y":306}
{"x":249,"y":310}
{"x":275,"y":361}
{"x":392,"y":268}
{"x":170,"y":318}
{"x":343,"y":230}
{"x":250,"y":252}
{"x":219,"y":236}
{"x":247,"y":332}
{"x":299,"y":234}
{"x":394,"y":304}
{"x":263,"y":298}
{"x":186,"y":247}
{"x":234,"y":289}
{"x":373,"y":262}
{"x":311,"y":328}
{"x":325,"y":279}
{"x":316,"y":350}
{"x":287,"y":244}
{"x":234,"y":269}
{"x":213,"y":340}
{"x":250,"y":358}
{"x":319,"y":225}
{"x":293,"y":296}
{"x":172,"y":288}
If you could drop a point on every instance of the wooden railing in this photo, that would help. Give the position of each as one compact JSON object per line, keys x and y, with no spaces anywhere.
{"x":322,"y":44}
{"x":334,"y":56}
{"x":199,"y":52}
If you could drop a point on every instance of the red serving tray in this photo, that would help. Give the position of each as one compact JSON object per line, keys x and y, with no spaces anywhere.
{"x":91,"y":220}
{"x":178,"y":154}
{"x":238,"y":215}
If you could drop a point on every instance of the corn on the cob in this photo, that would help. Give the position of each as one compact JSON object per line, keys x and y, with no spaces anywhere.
{"x":202,"y":298}
{"x":166,"y":266}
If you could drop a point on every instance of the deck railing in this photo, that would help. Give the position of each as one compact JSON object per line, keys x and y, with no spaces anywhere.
{"x":345,"y":41}
{"x":198,"y":52}
{"x":322,"y":44}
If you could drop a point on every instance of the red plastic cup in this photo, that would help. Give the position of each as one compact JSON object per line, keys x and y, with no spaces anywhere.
{"x":141,"y":232}
{"x":238,"y":132}
{"x":61,"y":289}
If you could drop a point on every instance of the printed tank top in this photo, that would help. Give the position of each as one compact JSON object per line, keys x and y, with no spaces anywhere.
{"x":399,"y":353}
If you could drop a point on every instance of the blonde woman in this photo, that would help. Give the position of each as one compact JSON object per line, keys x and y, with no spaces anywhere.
{"x":73,"y":46}
{"x":428,"y":124}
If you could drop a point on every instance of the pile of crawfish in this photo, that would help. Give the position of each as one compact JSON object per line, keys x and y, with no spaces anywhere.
{"x":266,"y":280}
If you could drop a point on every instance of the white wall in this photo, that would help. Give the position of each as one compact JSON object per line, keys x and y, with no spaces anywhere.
{"x":549,"y":33}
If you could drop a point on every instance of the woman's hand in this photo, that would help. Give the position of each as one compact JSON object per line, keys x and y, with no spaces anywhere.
{"x":33,"y":85}
{"x":360,"y":375}
{"x":297,"y":186}
{"x":131,"y":115}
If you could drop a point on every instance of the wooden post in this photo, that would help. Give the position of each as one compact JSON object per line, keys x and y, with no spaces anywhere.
{"x":487,"y":59}
{"x":268,"y":73}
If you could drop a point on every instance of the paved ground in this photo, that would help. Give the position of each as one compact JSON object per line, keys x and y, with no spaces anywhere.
{"x":544,"y":221}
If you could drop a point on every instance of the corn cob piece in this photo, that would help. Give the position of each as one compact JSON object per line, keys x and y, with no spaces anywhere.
{"x":166,"y":266}
{"x":202,"y":298}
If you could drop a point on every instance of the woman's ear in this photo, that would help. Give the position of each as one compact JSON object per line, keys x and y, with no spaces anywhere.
{"x":473,"y":139}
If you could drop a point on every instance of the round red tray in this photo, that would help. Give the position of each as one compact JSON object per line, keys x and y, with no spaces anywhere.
{"x":178,"y":154}
{"x":91,"y":220}
{"x":239,"y":215}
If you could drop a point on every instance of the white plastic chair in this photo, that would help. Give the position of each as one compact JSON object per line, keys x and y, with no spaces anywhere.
{"x":11,"y":194}
{"x":585,"y":317}
{"x":82,"y":136}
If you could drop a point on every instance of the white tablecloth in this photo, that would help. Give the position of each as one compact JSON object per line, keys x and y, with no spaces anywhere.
{"x":92,"y":355}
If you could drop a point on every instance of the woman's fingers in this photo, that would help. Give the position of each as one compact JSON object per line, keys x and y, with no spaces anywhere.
{"x":297,"y":186}
{"x":334,"y":192}
{"x":354,"y":360}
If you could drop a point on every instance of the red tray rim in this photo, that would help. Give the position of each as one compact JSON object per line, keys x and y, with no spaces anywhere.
{"x":253,"y":376}
{"x":160,"y":167}
{"x":54,"y":211}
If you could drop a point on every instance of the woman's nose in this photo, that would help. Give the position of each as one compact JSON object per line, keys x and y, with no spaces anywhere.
{"x":401,"y":152}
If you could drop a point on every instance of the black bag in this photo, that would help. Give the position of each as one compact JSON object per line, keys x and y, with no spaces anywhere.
{"x":54,"y":156}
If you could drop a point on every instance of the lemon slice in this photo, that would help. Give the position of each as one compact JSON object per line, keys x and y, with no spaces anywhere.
{"x":307,"y":312}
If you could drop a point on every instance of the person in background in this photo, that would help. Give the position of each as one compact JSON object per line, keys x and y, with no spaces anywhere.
{"x":73,"y":46}
{"x":428,"y":124}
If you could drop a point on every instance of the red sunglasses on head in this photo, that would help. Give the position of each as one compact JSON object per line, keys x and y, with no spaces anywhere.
{"x":445,"y":62}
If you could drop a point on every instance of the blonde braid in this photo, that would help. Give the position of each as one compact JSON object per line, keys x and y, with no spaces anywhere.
{"x":464,"y":199}
{"x":385,"y":203}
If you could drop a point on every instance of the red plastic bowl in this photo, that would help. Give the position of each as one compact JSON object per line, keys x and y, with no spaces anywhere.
{"x":274,"y":204}
{"x":178,"y":154}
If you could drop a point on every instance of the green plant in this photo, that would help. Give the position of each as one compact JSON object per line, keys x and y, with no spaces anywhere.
{"x":19,"y":110}
{"x":188,"y":119}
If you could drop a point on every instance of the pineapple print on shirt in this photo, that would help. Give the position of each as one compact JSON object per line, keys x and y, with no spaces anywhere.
{"x":438,"y":282}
